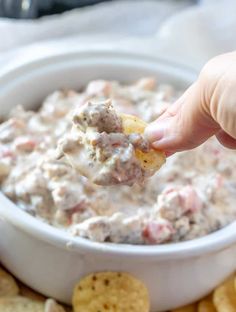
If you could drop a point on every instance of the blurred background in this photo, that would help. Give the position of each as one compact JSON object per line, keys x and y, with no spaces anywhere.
{"x":37,"y":8}
{"x":183,"y":31}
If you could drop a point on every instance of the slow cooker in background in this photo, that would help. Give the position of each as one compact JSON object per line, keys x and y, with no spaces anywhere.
{"x":28,"y":9}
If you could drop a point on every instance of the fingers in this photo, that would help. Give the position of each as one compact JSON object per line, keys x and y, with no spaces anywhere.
{"x":207,"y":107}
{"x":226,"y":139}
{"x":185,"y":125}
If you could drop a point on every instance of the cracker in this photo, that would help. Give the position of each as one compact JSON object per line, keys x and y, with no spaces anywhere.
{"x":132,"y":124}
{"x":110,"y":291}
{"x":224,"y":296}
{"x":151,"y":160}
{"x":20,"y":304}
{"x":187,"y":308}
{"x":206,"y":305}
{"x":8,"y":286}
{"x":27,"y":292}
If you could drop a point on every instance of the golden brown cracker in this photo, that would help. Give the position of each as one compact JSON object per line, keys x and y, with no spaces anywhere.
{"x":110,"y":291}
{"x":8,"y":285}
{"x":152,"y":160}
{"x":224,"y":296}
{"x":188,"y":308}
{"x":27,"y":292}
{"x":20,"y":304}
{"x":206,"y":305}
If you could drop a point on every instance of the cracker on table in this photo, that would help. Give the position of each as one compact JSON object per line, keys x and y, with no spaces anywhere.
{"x":224,"y":296}
{"x":20,"y":304}
{"x":110,"y":291}
{"x":8,"y":285}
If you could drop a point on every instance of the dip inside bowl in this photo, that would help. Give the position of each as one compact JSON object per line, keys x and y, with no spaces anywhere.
{"x":51,"y":260}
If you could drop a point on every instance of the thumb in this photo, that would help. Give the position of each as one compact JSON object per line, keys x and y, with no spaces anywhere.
{"x":185,"y":125}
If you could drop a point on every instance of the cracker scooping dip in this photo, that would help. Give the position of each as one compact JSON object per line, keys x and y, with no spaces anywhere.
{"x":109,"y":148}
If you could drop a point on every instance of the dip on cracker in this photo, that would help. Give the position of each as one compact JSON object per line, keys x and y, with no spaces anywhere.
{"x":109,"y":148}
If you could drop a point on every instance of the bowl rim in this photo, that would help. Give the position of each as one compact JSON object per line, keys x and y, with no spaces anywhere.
{"x":12,"y":70}
{"x":9,"y":212}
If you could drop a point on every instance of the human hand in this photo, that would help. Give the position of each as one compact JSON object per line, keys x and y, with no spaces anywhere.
{"x":207,"y":108}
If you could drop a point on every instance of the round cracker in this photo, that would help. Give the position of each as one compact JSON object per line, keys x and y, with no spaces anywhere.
{"x":132,"y":124}
{"x":206,"y":305}
{"x":152,"y":160}
{"x":20,"y":304}
{"x":224,"y":296}
{"x":27,"y":292}
{"x":8,"y":286}
{"x":110,"y":291}
{"x":188,"y":308}
{"x":235,"y":283}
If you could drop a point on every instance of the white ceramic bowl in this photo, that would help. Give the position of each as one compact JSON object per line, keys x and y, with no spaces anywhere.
{"x":51,"y":261}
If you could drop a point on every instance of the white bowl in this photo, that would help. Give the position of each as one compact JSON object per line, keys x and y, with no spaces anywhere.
{"x":51,"y":261}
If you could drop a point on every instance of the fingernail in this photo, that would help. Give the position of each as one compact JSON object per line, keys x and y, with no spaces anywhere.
{"x":156,"y":130}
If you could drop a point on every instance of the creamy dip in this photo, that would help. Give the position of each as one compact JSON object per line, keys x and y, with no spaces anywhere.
{"x":192,"y":195}
{"x":101,"y":150}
